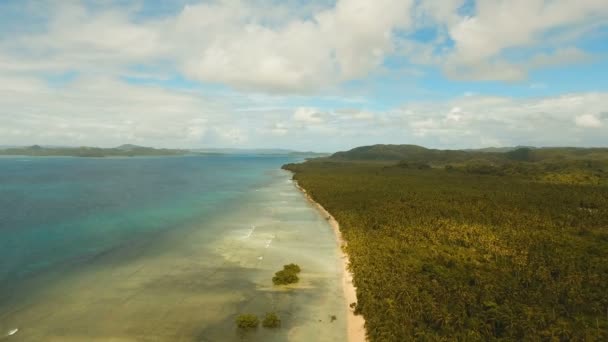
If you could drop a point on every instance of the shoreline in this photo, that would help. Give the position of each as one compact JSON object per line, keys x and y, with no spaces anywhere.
{"x":355,"y":324}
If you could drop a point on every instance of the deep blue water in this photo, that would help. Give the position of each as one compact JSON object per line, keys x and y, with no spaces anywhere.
{"x":59,"y":212}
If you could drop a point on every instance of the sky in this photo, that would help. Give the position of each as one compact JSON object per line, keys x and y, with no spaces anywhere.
{"x":314,"y":75}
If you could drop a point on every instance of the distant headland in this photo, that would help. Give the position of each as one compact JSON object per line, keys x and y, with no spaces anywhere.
{"x":129,"y":150}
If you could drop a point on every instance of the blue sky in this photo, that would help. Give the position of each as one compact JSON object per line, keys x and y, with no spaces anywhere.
{"x":308,"y":75}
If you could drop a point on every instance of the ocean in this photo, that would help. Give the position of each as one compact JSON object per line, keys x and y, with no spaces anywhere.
{"x":162,"y":249}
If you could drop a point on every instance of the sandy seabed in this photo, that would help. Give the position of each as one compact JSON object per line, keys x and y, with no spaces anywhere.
{"x":189,"y":283}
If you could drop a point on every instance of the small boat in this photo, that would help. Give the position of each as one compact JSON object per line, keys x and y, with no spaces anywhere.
{"x":12,"y":332}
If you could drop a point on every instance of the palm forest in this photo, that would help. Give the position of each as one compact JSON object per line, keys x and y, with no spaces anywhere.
{"x":471,"y":245}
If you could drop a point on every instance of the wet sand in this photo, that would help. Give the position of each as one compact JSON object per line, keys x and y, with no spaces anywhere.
{"x":355,"y":323}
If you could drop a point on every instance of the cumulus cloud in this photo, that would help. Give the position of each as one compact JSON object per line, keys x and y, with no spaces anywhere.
{"x":106,"y":112}
{"x":499,"y":25}
{"x":464,"y":122}
{"x":475,"y":120}
{"x":355,"y":115}
{"x":286,"y":66}
{"x":588,"y":121}
{"x":239,"y":43}
{"x":279,"y":128}
{"x":338,"y":43}
{"x":486,"y":71}
{"x":283,"y":47}
{"x":309,"y":115}
{"x":563,"y":56}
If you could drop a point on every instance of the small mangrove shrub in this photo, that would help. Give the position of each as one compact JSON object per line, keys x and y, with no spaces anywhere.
{"x":247,"y":321}
{"x":292,"y":268}
{"x":271,"y":320}
{"x":288,"y":275}
{"x":284,"y":278}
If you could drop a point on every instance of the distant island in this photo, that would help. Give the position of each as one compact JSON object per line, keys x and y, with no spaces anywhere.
{"x":120,"y":151}
{"x":129,"y":150}
{"x":481,"y":245}
{"x":259,"y":151}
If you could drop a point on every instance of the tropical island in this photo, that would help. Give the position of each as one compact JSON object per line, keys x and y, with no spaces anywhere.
{"x":130,"y":150}
{"x":492,"y":244}
{"x":126,"y":150}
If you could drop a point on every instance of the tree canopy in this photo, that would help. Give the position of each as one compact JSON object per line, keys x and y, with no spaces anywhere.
{"x":500,"y":248}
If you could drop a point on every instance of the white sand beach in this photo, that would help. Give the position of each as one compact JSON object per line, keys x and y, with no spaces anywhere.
{"x":355,"y":323}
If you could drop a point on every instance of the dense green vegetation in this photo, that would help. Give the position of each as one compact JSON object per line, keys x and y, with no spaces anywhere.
{"x":288,"y":275}
{"x":512,"y":246}
{"x":120,"y":151}
{"x":271,"y":320}
{"x":247,"y":321}
{"x":413,"y":153}
{"x":293,"y":268}
{"x":549,"y":165}
{"x":250,"y":321}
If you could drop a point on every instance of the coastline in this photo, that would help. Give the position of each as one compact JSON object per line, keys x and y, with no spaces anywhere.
{"x":217,"y":247}
{"x":355,"y":323}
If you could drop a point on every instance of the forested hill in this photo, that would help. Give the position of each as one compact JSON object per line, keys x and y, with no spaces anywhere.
{"x":554,"y":165}
{"x":400,"y":152}
{"x":414,"y":153}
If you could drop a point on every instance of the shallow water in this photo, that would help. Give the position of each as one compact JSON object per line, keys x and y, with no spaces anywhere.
{"x":176,"y":265}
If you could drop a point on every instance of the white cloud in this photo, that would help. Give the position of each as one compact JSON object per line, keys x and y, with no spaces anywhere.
{"x":239,"y":43}
{"x":309,"y":115}
{"x":105,"y":112}
{"x":469,"y":121}
{"x":563,"y":56}
{"x":502,"y":24}
{"x":339,"y":43}
{"x":588,"y":121}
{"x":100,"y":111}
{"x":93,"y":42}
{"x":537,"y":121}
{"x":287,"y":47}
{"x":279,"y":128}
{"x":486,"y":71}
{"x":231,"y":136}
{"x":354,"y":115}
{"x":497,"y":69}
{"x":499,"y":25}
{"x":454,"y":115}
{"x":264,"y":49}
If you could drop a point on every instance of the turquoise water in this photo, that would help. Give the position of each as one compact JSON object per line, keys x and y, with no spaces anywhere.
{"x":161,"y":249}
